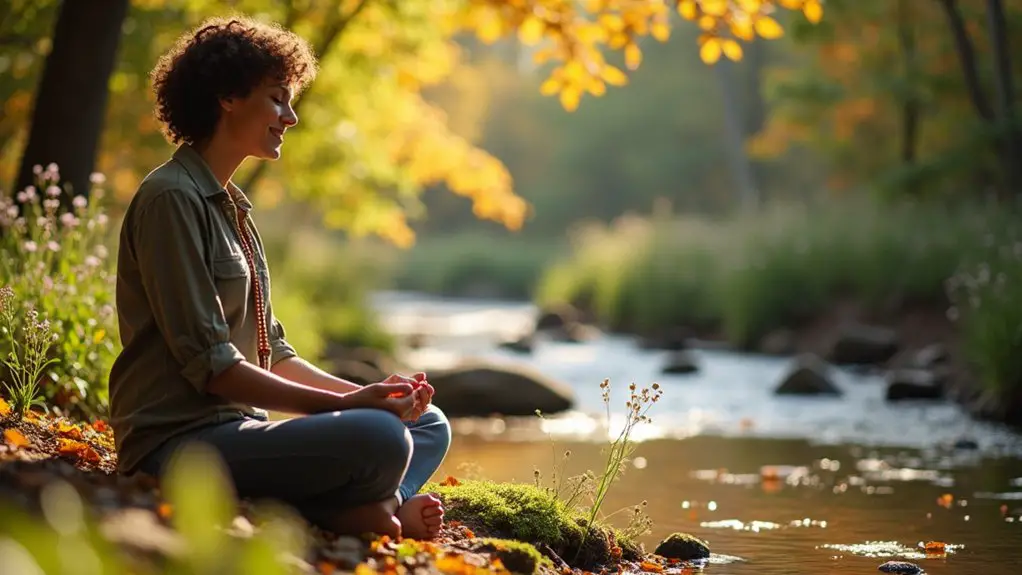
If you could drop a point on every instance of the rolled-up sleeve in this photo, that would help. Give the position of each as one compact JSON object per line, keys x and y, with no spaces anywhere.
{"x":169,"y":242}
{"x":279,"y":347}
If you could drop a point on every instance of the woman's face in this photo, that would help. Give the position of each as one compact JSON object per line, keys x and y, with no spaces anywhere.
{"x":256,"y":123}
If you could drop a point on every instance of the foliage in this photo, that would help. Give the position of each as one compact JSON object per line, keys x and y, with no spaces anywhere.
{"x":199,"y":501}
{"x":989,"y":313}
{"x":377,"y":143}
{"x":751,"y":274}
{"x":27,"y":358}
{"x":57,"y":265}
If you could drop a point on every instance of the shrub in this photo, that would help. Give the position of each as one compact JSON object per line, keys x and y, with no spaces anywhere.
{"x":55,"y":260}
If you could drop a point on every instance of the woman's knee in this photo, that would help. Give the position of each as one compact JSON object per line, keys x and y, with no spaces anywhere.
{"x":434,"y":422}
{"x":386,"y":439}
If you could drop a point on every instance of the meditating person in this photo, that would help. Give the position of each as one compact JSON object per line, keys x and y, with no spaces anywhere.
{"x":204,"y":356}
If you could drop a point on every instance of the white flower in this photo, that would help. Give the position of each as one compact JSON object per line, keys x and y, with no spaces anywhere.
{"x":53,"y":191}
{"x":30,"y":246}
{"x":97,"y":178}
{"x":53,"y":246}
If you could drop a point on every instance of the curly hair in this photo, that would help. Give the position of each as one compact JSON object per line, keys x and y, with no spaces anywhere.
{"x":222,"y":58}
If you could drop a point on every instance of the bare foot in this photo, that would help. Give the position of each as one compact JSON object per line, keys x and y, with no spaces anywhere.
{"x":421,"y":516}
{"x":375,"y":518}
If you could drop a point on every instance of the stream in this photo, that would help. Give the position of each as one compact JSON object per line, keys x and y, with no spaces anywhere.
{"x":775,"y":484}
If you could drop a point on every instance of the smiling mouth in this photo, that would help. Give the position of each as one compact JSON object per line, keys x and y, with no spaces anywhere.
{"x":278,"y":133}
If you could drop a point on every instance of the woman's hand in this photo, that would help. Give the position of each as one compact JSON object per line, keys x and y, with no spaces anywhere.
{"x":421,"y":390}
{"x":395,"y":397}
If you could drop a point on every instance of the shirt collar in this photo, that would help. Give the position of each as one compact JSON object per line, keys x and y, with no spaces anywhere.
{"x":203,"y":177}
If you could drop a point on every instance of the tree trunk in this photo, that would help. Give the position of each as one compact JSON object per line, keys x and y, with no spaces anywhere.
{"x":909,"y":100}
{"x":967,"y":59}
{"x":734,"y":138}
{"x":70,"y":104}
{"x":1011,"y":143}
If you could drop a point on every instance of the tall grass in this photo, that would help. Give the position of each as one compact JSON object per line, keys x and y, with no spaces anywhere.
{"x":751,"y":274}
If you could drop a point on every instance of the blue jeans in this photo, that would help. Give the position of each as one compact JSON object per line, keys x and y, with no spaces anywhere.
{"x":326,"y":462}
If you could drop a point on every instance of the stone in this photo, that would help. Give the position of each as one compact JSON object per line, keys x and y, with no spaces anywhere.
{"x":683,"y":547}
{"x":900,"y":567}
{"x":680,"y":362}
{"x":573,"y":333}
{"x":479,"y":389}
{"x":807,"y":375}
{"x":556,"y":317}
{"x":669,"y":339}
{"x":523,"y":344}
{"x":929,"y":356}
{"x":905,"y":384}
{"x":863,"y":344}
{"x":356,"y":371}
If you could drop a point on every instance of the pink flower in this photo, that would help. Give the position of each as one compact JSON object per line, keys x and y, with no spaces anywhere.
{"x":101,"y":219}
{"x":37,"y":169}
{"x":79,"y":202}
{"x":51,"y":204}
{"x":97,"y":178}
{"x":30,"y":246}
{"x":92,"y":261}
{"x":101,"y":252}
{"x":53,"y":246}
{"x":68,"y":219}
{"x":53,"y":191}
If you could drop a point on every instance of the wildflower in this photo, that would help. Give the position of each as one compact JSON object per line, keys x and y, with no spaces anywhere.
{"x":51,"y":204}
{"x":37,"y":169}
{"x":102,"y":219}
{"x":6,"y":296}
{"x":68,"y":220}
{"x":101,"y":252}
{"x":53,"y":246}
{"x":79,"y":202}
{"x":97,"y":178}
{"x":30,"y":246}
{"x":53,"y":191}
{"x":12,"y":211}
{"x":27,"y":195}
{"x":92,"y":261}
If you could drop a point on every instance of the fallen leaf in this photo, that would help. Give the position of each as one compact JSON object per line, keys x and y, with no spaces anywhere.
{"x":100,"y":426}
{"x":15,"y":438}
{"x":69,"y":430}
{"x":5,"y":409}
{"x":935,"y":547}
{"x":326,"y":567}
{"x":651,"y":567}
{"x":164,"y":510}
{"x":450,"y":481}
{"x":945,"y":500}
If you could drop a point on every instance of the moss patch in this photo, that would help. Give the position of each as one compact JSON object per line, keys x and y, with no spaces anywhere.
{"x":528,"y":513}
{"x":517,"y":556}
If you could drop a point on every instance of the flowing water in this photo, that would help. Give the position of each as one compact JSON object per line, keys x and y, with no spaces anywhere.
{"x":776,"y":485}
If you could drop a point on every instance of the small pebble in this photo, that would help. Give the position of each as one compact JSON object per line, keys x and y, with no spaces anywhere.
{"x":900,"y":567}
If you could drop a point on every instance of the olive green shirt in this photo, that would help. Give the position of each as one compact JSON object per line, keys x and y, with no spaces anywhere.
{"x":185,"y":307}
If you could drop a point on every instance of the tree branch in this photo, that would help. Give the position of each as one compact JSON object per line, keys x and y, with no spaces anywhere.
{"x":967,"y":58}
{"x":332,"y":32}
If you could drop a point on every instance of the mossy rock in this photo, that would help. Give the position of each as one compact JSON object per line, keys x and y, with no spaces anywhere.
{"x":528,"y":513}
{"x":517,"y":556}
{"x":683,"y":546}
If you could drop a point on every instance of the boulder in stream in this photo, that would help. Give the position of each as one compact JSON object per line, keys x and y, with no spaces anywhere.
{"x":683,"y":547}
{"x":680,"y":362}
{"x":863,"y":344}
{"x":807,"y":375}
{"x":483,"y":389}
{"x":914,"y":384}
{"x":900,"y":567}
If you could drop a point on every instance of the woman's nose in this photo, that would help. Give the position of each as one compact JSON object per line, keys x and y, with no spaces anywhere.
{"x":290,"y":118}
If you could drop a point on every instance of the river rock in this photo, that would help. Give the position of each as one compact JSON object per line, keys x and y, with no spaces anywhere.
{"x":900,"y":567}
{"x":683,"y":547}
{"x":930,"y":356}
{"x":913,"y":384}
{"x":523,"y":344}
{"x":808,"y":375}
{"x":356,"y":371}
{"x":556,"y":317}
{"x":680,"y":362}
{"x":574,"y":332}
{"x":481,"y":390}
{"x":863,"y":344}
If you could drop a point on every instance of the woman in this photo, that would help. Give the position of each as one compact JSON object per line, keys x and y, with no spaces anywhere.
{"x":203,"y":354}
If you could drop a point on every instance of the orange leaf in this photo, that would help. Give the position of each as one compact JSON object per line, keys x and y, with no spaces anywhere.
{"x":468,"y":533}
{"x":69,"y":430}
{"x":652,"y":567}
{"x":5,"y":409}
{"x":450,"y":481}
{"x":326,"y":567}
{"x":164,"y":510}
{"x":935,"y":547}
{"x":100,"y":426}
{"x":15,"y":438}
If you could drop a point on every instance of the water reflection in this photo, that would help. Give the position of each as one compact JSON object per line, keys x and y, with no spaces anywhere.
{"x":788,"y":506}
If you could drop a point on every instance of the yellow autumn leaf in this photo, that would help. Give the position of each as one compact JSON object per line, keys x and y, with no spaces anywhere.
{"x":732,"y":49}
{"x":707,"y":23}
{"x":613,"y":76}
{"x":688,"y":10}
{"x":489,"y":30}
{"x":791,"y":4}
{"x":743,"y":29}
{"x":813,"y":11}
{"x":660,"y":30}
{"x":715,"y":7}
{"x":542,"y":56}
{"x":750,"y":6}
{"x":596,"y":87}
{"x":710,"y":52}
{"x":768,"y":28}
{"x":570,"y":97}
{"x":5,"y":409}
{"x":531,"y":31}
{"x":633,"y":56}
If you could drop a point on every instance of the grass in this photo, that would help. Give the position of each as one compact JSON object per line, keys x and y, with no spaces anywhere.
{"x":749,"y":275}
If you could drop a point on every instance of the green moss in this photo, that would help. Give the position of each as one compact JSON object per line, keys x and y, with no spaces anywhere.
{"x":531,"y":514}
{"x":517,"y":556}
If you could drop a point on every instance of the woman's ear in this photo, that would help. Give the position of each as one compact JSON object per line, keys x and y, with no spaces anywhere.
{"x":227,"y":104}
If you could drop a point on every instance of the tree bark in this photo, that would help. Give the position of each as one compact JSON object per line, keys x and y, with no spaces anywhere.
{"x":70,"y":104}
{"x":1011,"y":148}
{"x":910,"y":100}
{"x":967,"y":59}
{"x":734,"y":136}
